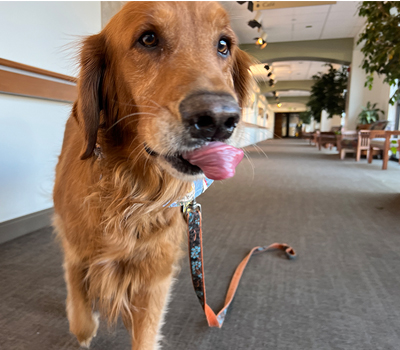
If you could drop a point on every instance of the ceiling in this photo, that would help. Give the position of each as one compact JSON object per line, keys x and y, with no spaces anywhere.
{"x":291,"y":70}
{"x":292,"y":24}
{"x":320,"y":22}
{"x":290,"y":93}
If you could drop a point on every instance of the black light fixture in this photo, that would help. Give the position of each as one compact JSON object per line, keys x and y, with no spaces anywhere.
{"x":267,"y":67}
{"x":256,"y":22}
{"x":271,"y":82}
{"x":241,"y":2}
{"x":250,"y":6}
{"x":269,"y":74}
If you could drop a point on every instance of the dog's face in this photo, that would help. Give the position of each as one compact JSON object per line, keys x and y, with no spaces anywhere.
{"x":176,"y":75}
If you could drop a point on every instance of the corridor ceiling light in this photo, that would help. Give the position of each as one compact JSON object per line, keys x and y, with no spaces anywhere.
{"x":261,"y":41}
{"x":269,"y":74}
{"x":267,"y":67}
{"x":279,"y":105}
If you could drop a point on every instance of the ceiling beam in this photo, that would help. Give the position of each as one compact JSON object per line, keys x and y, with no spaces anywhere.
{"x":272,"y":5}
{"x":328,"y":50}
{"x":285,"y":85}
{"x":294,"y":99}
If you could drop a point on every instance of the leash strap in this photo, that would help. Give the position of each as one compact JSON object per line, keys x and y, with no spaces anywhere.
{"x":193,"y":216}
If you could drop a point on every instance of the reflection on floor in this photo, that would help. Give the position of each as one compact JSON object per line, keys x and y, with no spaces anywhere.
{"x":342,"y":217}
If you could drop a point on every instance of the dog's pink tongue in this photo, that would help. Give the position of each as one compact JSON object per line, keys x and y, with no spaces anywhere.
{"x":217,"y":160}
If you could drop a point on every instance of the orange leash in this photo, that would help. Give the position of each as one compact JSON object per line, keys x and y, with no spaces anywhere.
{"x":193,"y":216}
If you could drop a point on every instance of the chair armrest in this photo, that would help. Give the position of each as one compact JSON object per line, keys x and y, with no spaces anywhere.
{"x":393,"y":133}
{"x":350,"y":134}
{"x":374,"y":134}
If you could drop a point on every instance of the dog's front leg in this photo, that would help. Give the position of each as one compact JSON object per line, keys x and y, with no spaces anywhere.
{"x":148,"y":316}
{"x":83,"y":322}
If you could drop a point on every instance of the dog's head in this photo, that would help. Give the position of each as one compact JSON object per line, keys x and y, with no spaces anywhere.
{"x":163,"y":78}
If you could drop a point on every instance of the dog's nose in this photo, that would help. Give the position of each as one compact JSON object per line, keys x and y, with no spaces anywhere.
{"x":210,"y":116}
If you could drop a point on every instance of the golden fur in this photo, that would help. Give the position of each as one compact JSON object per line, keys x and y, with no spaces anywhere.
{"x":121,"y":243}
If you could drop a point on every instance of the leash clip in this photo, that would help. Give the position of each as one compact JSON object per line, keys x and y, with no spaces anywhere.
{"x":191,"y":206}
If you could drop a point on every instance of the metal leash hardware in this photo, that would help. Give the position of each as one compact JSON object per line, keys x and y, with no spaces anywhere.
{"x":190,"y":206}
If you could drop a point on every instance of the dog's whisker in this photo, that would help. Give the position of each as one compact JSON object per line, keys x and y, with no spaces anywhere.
{"x":133,"y":105}
{"x":130,"y":115}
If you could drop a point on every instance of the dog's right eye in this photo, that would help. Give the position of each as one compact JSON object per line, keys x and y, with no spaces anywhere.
{"x":149,"y":39}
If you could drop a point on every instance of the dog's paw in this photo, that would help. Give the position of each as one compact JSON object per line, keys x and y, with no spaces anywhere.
{"x":86,"y":342}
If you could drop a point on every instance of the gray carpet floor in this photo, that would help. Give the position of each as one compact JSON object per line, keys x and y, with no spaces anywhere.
{"x":342,"y":293}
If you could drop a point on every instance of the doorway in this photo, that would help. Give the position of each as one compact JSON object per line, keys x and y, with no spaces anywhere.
{"x":286,"y":125}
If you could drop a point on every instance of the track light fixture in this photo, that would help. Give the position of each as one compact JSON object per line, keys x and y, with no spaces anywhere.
{"x":267,"y":67}
{"x":250,"y":5}
{"x":269,"y":74}
{"x":256,"y":22}
{"x":261,"y":41}
{"x":271,"y":82}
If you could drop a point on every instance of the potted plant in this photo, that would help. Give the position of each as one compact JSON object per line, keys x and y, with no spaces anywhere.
{"x":381,"y":42}
{"x":368,"y":115}
{"x":328,"y":93}
{"x":305,"y":117}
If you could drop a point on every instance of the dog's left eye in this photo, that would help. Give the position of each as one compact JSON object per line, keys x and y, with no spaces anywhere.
{"x":149,"y":39}
{"x":223,"y":47}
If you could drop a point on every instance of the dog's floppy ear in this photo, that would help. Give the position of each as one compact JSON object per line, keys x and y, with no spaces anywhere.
{"x":92,"y":63}
{"x":241,"y":76}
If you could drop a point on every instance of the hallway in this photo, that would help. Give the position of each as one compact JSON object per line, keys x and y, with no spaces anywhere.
{"x":342,"y":292}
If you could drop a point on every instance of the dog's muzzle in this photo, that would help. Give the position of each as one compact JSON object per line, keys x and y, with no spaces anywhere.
{"x":210,"y":116}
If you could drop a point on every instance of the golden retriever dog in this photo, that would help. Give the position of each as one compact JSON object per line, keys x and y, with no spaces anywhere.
{"x":162,"y":78}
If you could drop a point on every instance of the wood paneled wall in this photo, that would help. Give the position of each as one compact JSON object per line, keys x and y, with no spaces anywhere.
{"x":38,"y":87}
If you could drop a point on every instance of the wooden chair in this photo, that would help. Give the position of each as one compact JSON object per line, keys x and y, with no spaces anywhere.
{"x":381,"y":140}
{"x":314,"y":139}
{"x":326,"y":138}
{"x":353,"y":141}
{"x":307,"y":136}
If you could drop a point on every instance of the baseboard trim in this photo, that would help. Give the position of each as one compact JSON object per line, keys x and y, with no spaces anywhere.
{"x":18,"y":227}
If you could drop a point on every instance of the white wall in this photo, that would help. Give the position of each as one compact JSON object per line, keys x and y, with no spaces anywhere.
{"x":44,"y":34}
{"x":328,"y":123}
{"x":251,"y":135}
{"x":270,"y":122}
{"x":391,"y":115}
{"x":360,"y":95}
{"x":31,"y":132}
